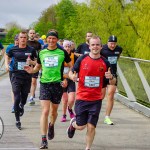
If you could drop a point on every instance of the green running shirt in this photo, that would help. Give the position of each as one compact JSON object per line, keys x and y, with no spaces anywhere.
{"x":52,"y":62}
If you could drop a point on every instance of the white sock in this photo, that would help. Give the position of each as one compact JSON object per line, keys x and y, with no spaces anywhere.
{"x":107,"y":117}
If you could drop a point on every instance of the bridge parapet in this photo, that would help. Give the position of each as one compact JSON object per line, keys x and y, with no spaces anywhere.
{"x":133,"y":85}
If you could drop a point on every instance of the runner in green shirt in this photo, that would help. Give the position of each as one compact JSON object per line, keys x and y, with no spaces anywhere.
{"x":51,"y":61}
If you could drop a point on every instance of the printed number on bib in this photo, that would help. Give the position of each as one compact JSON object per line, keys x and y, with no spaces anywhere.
{"x":91,"y":81}
{"x":21,"y":65}
{"x":112,"y":60}
{"x":51,"y":61}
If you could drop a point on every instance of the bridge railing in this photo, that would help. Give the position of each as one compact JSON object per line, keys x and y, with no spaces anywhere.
{"x":133,"y":83}
{"x":2,"y":65}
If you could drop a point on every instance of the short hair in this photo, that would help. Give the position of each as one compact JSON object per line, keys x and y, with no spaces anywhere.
{"x":52,"y":30}
{"x":96,"y":37}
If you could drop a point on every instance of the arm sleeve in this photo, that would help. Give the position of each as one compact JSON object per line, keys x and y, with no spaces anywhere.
{"x":38,"y":59}
{"x":78,"y":50}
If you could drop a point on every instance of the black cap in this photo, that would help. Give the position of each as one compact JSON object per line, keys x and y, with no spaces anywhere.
{"x":112,"y":38}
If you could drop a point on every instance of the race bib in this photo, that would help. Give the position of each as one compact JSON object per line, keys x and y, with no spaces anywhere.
{"x":21,"y":65}
{"x":51,"y":61}
{"x":91,"y":81}
{"x":112,"y":59}
{"x":66,"y":70}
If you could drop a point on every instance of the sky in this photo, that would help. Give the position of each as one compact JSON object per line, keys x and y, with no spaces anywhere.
{"x":23,"y":12}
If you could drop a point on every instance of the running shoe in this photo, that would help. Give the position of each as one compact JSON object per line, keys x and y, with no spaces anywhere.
{"x":71,"y":113}
{"x":31,"y":101}
{"x":21,"y":110}
{"x":50,"y":131}
{"x":13,"y":110}
{"x":44,"y":145}
{"x":63,"y":119}
{"x":71,"y":129}
{"x":18,"y":125}
{"x":108,"y":121}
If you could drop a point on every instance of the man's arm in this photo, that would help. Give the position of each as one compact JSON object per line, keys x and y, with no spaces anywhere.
{"x":30,"y":69}
{"x":112,"y":79}
{"x":7,"y":61}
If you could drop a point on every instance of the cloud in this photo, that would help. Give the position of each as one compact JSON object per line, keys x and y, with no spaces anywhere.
{"x":23,"y":12}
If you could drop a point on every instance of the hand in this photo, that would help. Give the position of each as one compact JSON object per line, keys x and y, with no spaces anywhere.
{"x":108,"y":74}
{"x":28,"y":69}
{"x":74,"y":76}
{"x":7,"y":68}
{"x":64,"y":83}
{"x":28,"y":61}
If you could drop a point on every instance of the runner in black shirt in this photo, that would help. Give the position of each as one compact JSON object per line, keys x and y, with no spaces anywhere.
{"x":37,"y":46}
{"x":20,"y":79}
{"x":111,"y":51}
{"x":84,"y":47}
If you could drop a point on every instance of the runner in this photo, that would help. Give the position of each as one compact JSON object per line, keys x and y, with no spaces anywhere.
{"x":84,"y":47}
{"x":37,"y":47}
{"x":111,"y":51}
{"x":68,"y":97}
{"x":51,"y":61}
{"x":88,"y":97}
{"x":10,"y":69}
{"x":20,"y":79}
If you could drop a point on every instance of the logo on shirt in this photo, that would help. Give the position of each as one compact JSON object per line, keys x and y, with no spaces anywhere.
{"x":101,"y":68}
{"x":85,"y":66}
{"x":117,"y":52}
{"x":1,"y":127}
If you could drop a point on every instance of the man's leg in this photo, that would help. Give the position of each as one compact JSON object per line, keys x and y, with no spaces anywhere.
{"x":44,"y":122}
{"x":110,"y":102}
{"x":53,"y":117}
{"x":71,"y":100}
{"x":64,"y":106}
{"x":90,"y":135}
{"x":44,"y":116}
{"x":32,"y":90}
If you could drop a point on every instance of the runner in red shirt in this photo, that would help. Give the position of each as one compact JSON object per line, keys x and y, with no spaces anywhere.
{"x":93,"y":71}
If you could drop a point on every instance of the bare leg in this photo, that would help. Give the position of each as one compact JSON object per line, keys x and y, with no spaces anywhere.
{"x":64,"y":102}
{"x":44,"y":116}
{"x":53,"y":113}
{"x":33,"y":86}
{"x":110,"y":99}
{"x":90,"y":135}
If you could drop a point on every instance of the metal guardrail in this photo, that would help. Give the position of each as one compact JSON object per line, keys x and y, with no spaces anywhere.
{"x":2,"y":65}
{"x":133,"y":87}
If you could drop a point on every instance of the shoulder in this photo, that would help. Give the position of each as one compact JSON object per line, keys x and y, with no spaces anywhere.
{"x":105,"y":61}
{"x":119,"y":48}
{"x":105,"y":46}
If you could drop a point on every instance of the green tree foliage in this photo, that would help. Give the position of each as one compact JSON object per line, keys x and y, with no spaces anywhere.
{"x":46,"y":21}
{"x":129,"y":21}
{"x":65,"y":10}
{"x":139,"y":20}
{"x":11,"y":32}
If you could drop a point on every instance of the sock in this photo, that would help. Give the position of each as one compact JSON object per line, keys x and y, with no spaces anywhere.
{"x":106,"y":117}
{"x":31,"y":97}
{"x":44,"y":138}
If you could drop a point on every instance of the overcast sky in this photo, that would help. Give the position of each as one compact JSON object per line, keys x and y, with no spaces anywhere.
{"x":23,"y":12}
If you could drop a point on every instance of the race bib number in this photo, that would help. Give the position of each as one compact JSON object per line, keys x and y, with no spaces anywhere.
{"x":91,"y":81}
{"x":112,"y":60}
{"x":51,"y":61}
{"x":66,"y":70}
{"x":21,"y":65}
